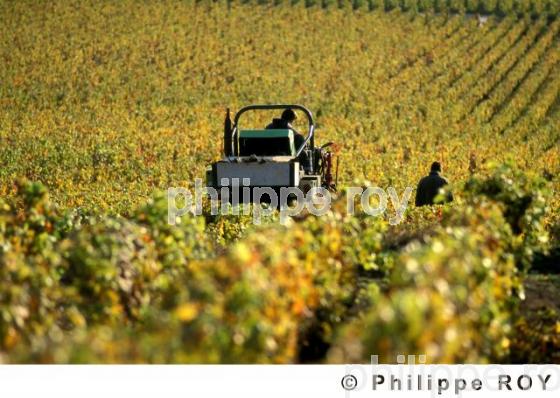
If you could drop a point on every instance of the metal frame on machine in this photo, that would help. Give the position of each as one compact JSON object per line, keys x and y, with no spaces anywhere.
{"x":310,"y":138}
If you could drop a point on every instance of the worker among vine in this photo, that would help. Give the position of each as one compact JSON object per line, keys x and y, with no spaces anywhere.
{"x":429,"y":187}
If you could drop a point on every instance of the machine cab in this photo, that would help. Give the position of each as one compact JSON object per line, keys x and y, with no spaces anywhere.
{"x":266,"y":143}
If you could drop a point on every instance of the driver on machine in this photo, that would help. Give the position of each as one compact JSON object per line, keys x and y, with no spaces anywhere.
{"x":285,"y":122}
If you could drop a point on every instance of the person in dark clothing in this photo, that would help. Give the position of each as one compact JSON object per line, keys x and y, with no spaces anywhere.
{"x":429,"y":186}
{"x":285,"y":122}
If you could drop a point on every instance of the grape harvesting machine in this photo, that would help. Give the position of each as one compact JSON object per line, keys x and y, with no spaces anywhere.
{"x":272,"y":157}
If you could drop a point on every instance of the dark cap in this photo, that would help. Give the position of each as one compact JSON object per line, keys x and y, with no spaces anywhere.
{"x":436,"y":166}
{"x":289,"y":115}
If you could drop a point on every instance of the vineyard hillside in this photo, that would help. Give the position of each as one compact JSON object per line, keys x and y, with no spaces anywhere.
{"x":105,"y":105}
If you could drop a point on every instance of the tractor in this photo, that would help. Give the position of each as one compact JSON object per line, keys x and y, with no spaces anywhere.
{"x":270,"y":157}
